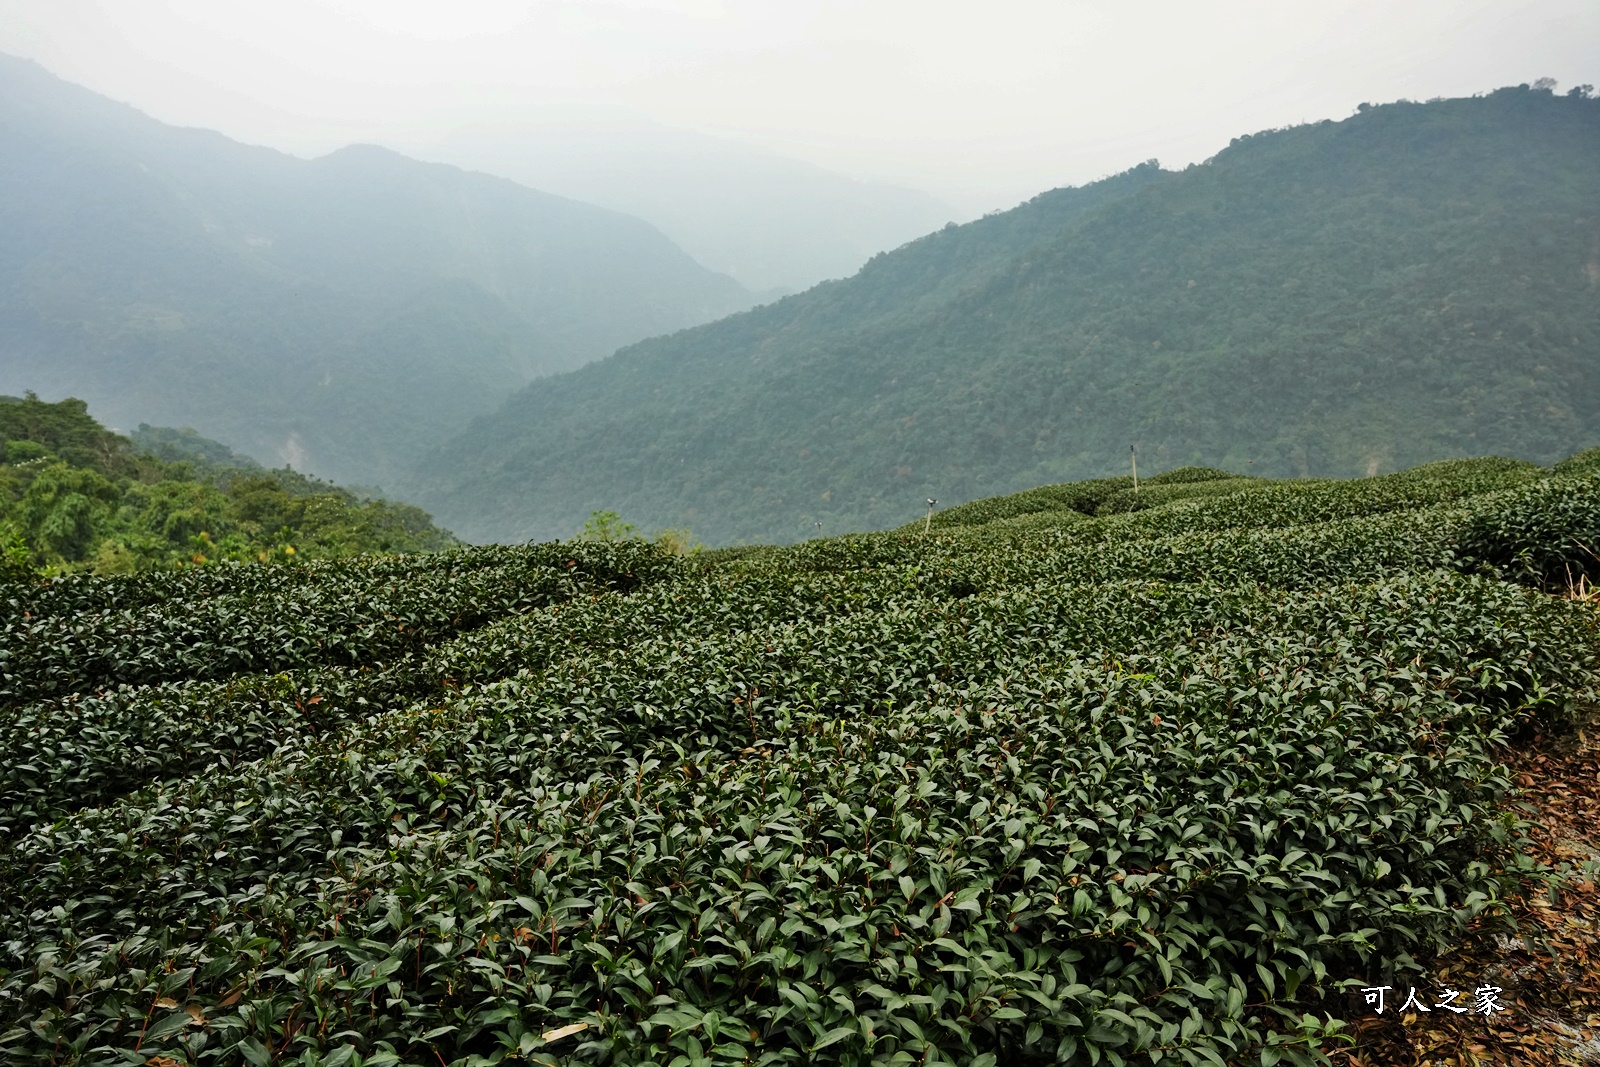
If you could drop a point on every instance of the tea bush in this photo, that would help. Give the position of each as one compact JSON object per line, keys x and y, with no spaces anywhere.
{"x":1078,"y":497}
{"x":1151,"y":496}
{"x":1546,"y":534}
{"x":79,"y":633}
{"x":1085,"y":498}
{"x":1035,"y":787}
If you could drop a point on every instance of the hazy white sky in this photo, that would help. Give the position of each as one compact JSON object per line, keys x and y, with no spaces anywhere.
{"x":981,"y":101}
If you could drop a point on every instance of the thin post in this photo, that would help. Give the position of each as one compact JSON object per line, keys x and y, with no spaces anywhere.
{"x":1133,"y":454}
{"x":929,"y":524}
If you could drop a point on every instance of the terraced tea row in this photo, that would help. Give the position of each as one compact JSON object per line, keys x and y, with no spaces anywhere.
{"x":1122,"y":788}
{"x":81,"y":634}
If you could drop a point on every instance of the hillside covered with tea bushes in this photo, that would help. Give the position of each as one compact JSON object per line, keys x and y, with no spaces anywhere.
{"x":76,"y":497}
{"x":1418,"y":281}
{"x":1083,"y":775}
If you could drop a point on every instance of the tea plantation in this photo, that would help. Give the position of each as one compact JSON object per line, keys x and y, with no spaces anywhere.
{"x":1082,"y":775}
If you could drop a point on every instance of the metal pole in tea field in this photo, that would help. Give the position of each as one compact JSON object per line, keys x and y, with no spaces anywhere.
{"x":929,"y":524}
{"x":1133,"y":455}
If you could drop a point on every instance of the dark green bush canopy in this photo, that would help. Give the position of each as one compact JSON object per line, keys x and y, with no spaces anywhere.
{"x":1039,"y":786}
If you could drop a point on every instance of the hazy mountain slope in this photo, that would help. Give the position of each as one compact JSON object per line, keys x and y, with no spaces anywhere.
{"x":772,"y":222}
{"x":1417,"y":282}
{"x":340,"y":313}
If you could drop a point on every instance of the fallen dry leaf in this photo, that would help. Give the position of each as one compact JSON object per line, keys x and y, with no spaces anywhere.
{"x":1550,"y":971}
{"x":563,"y":1031}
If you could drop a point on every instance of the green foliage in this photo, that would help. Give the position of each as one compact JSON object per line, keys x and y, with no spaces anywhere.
{"x":1546,"y":534}
{"x":606,"y":526}
{"x":186,"y":445}
{"x":1081,"y":498}
{"x":1131,"y":788}
{"x":15,"y":562}
{"x":1188,"y":476}
{"x":1335,"y":299}
{"x":679,"y":542}
{"x":32,"y":430}
{"x":1154,"y":494}
{"x":63,"y":507}
{"x":82,"y":498}
{"x":1585,"y":462}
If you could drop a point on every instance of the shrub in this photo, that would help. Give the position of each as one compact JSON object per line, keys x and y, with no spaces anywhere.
{"x":1035,"y":788}
{"x":1546,"y":534}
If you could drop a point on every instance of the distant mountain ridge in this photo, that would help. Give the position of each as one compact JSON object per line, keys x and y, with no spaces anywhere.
{"x":1417,"y":282}
{"x":340,"y":313}
{"x":776,"y":224}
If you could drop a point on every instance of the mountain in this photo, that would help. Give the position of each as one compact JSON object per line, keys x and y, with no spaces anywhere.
{"x":1416,"y":282}
{"x":75,"y":497}
{"x":774,"y":223}
{"x":337,"y":313}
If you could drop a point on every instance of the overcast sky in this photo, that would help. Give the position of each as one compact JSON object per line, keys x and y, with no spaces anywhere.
{"x":981,"y":102}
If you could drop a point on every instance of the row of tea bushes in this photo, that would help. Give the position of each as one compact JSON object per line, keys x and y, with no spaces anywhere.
{"x":1545,"y":534}
{"x":1038,"y":788}
{"x":84,"y":751}
{"x":972,"y":831}
{"x":81,"y":634}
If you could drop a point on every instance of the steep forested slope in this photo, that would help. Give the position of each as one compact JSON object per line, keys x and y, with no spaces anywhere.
{"x":340,"y":312}
{"x":76,"y":497}
{"x":1417,"y":282}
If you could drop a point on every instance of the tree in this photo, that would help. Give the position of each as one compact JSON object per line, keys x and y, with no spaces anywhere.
{"x":679,"y":542}
{"x":15,"y":564}
{"x":606,"y":526}
{"x":58,"y":510}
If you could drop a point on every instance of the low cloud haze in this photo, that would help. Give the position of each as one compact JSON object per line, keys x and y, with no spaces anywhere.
{"x":979,"y":105}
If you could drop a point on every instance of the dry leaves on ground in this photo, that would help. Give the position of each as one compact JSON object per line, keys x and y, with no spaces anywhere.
{"x":1550,"y":973}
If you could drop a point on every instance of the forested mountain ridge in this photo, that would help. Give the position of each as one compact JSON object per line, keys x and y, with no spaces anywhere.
{"x":75,"y":497}
{"x":1417,"y":282}
{"x":341,"y":312}
{"x":774,"y":223}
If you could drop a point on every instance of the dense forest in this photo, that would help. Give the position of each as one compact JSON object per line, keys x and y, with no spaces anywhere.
{"x":341,"y":313}
{"x":1085,"y":775}
{"x":75,"y":497}
{"x":1417,"y":282}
